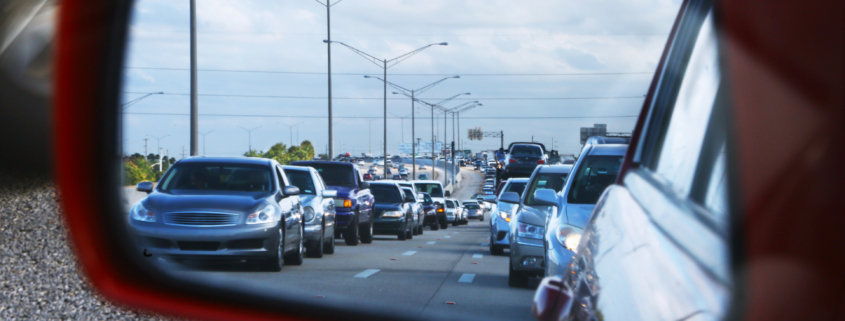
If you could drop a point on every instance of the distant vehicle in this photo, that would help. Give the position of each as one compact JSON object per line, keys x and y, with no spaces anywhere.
{"x":422,"y":167}
{"x":318,"y":209}
{"x":452,"y":212}
{"x":371,"y":171}
{"x":500,"y":217}
{"x":522,"y":158}
{"x":368,"y":177}
{"x":423,"y":177}
{"x":212,"y":207}
{"x":361,"y":163}
{"x":393,"y":213}
{"x":473,"y":210}
{"x":397,"y":176}
{"x":436,"y":191}
{"x":353,"y":203}
{"x":417,"y":206}
{"x":431,"y":211}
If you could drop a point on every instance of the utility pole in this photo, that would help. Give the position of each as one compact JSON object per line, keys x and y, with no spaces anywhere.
{"x":145,"y":147}
{"x":194,"y":100}
{"x":328,"y":42}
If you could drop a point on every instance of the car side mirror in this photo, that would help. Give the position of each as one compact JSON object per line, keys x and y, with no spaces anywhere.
{"x":329,"y":193}
{"x":509,"y":197}
{"x":146,"y":187}
{"x":410,"y":199}
{"x":365,"y":185}
{"x":490,"y":198}
{"x":290,"y":190}
{"x":545,"y":197}
{"x":448,"y":194}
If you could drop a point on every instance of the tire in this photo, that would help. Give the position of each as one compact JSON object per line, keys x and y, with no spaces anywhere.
{"x":274,"y":264}
{"x":403,"y":234}
{"x":316,"y":250}
{"x":444,"y":225}
{"x":496,"y":249}
{"x":435,"y":227}
{"x":515,"y":278}
{"x":410,"y":234}
{"x":328,"y":248}
{"x":296,"y":257}
{"x":350,"y":235}
{"x":421,"y":229}
{"x":367,"y":233}
{"x":455,"y":222}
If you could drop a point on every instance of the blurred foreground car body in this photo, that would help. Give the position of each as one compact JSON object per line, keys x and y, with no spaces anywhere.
{"x":318,"y":209}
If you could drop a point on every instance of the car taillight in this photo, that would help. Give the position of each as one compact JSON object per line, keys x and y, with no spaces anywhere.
{"x":541,"y":162}
{"x":512,"y":160}
{"x":439,"y":210}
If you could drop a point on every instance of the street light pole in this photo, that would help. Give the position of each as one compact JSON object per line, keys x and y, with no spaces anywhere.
{"x":203,"y":141}
{"x":291,"y":132}
{"x":249,"y":131}
{"x":194,"y":99}
{"x":132,"y":102}
{"x":328,"y":42}
{"x":158,"y":141}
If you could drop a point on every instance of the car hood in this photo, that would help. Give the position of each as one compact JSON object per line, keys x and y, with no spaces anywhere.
{"x":533,"y":215}
{"x":342,"y":191}
{"x":578,"y":214}
{"x":233,"y":202}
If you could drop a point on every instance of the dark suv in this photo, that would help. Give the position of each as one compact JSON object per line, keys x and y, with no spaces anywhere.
{"x":522,"y":158}
{"x":354,"y":202}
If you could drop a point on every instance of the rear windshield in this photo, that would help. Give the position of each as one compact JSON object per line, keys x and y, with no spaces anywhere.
{"x":553,"y":181}
{"x":450,"y":204}
{"x":386,"y":193}
{"x":594,"y":175}
{"x":432,"y":189}
{"x":335,"y":174}
{"x":302,"y":180}
{"x":517,"y":188}
{"x":408,"y":191}
{"x":472,"y":206}
{"x":218,"y":177}
{"x":526,"y":150}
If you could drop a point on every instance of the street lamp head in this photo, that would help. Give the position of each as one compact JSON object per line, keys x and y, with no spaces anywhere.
{"x":395,"y":93}
{"x":444,"y":44}
{"x":466,"y":93}
{"x":160,"y":93}
{"x":458,"y":76}
{"x":325,"y":41}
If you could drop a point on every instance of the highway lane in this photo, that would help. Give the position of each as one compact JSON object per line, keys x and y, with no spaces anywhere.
{"x":417,"y":277}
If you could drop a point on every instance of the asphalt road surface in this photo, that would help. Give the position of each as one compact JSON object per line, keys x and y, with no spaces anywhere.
{"x":416,"y":278}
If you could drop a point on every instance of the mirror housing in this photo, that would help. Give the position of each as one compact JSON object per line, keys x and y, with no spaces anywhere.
{"x":509,"y":197}
{"x":545,"y":197}
{"x":410,"y":198}
{"x":329,"y":193}
{"x":365,"y":185}
{"x":146,"y":187}
{"x":448,"y":194}
{"x":290,"y":190}
{"x":490,"y":198}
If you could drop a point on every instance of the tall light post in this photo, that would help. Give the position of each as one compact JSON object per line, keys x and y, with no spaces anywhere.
{"x":203,"y":140}
{"x":133,"y":101}
{"x":194,"y":99}
{"x":458,"y":113}
{"x":433,"y":107}
{"x":328,"y":42}
{"x":413,"y":92}
{"x":385,"y":64}
{"x":291,"y":132}
{"x":158,"y":141}
{"x":249,"y":131}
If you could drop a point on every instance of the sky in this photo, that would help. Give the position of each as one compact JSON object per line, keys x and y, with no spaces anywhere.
{"x":541,"y":69}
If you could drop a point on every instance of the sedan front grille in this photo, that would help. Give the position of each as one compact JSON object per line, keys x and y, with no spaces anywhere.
{"x":200,"y":219}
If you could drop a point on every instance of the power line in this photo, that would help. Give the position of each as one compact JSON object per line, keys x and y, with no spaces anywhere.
{"x":363,"y":74}
{"x":381,"y":98}
{"x":376,"y":117}
{"x":407,"y":35}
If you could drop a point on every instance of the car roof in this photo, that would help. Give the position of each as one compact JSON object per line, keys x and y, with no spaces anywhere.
{"x":601,"y":140}
{"x":233,"y":160}
{"x":427,"y":181}
{"x":556,"y":168}
{"x":385,"y":183}
{"x":608,"y":150}
{"x":297,"y":168}
{"x":518,"y":180}
{"x":322,"y":162}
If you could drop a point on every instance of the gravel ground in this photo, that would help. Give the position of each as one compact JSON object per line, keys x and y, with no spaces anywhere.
{"x":39,"y":279}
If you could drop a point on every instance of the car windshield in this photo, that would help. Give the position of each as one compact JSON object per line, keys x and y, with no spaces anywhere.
{"x":336,"y":174}
{"x":217,"y":177}
{"x":472,"y":206}
{"x":386,"y":193}
{"x":408,"y":191}
{"x":553,"y":181}
{"x":515,"y":187}
{"x":526,"y":150}
{"x":433,"y":189}
{"x":595,"y":173}
{"x":302,"y":180}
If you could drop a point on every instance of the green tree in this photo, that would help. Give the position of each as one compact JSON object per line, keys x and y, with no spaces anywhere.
{"x":308,"y":148}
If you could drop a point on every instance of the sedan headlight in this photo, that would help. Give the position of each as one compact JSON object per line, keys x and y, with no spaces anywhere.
{"x":141,"y":213}
{"x":530,"y":231}
{"x":265,"y":215}
{"x":505,"y":216}
{"x":569,"y":237}
{"x":308,"y":213}
{"x":392,"y":214}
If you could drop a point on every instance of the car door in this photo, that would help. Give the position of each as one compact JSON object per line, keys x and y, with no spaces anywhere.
{"x":291,"y":213}
{"x":669,"y":218}
{"x":364,"y":198}
{"x":327,"y":204}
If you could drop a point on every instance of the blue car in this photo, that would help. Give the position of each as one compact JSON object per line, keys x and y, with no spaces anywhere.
{"x":221,"y":208}
{"x":353,"y":203}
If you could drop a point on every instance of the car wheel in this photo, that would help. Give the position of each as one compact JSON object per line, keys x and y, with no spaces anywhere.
{"x":328,"y":247}
{"x":367,"y":233}
{"x":410,"y":233}
{"x":435,"y":227}
{"x":421,"y":229}
{"x":350,"y":235}
{"x":274,"y":264}
{"x":403,"y":234}
{"x":455,"y":222}
{"x":515,"y":278}
{"x":296,"y":257}
{"x":444,"y":225}
{"x":316,"y":250}
{"x":496,"y":249}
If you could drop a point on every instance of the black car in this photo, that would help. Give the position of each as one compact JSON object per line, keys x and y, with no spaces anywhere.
{"x":221,"y":209}
{"x":393,"y":210}
{"x":521,"y":159}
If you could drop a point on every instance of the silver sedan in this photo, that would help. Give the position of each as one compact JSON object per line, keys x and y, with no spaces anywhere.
{"x":318,"y":209}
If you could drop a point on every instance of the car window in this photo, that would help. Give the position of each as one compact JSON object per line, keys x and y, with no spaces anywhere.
{"x":386,"y":193}
{"x":335,"y":174}
{"x":524,"y":150}
{"x":302,"y":180}
{"x":553,"y":181}
{"x":594,"y":174}
{"x":517,"y":188}
{"x":450,"y":204}
{"x":433,"y":189}
{"x":716,"y":198}
{"x":688,"y":123}
{"x":217,"y":177}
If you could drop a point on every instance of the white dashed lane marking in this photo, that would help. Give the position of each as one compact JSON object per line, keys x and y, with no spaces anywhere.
{"x":409,"y":253}
{"x":477,"y":256}
{"x":448,"y":236}
{"x":432,"y":242}
{"x":466,"y":278}
{"x":366,"y":273}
